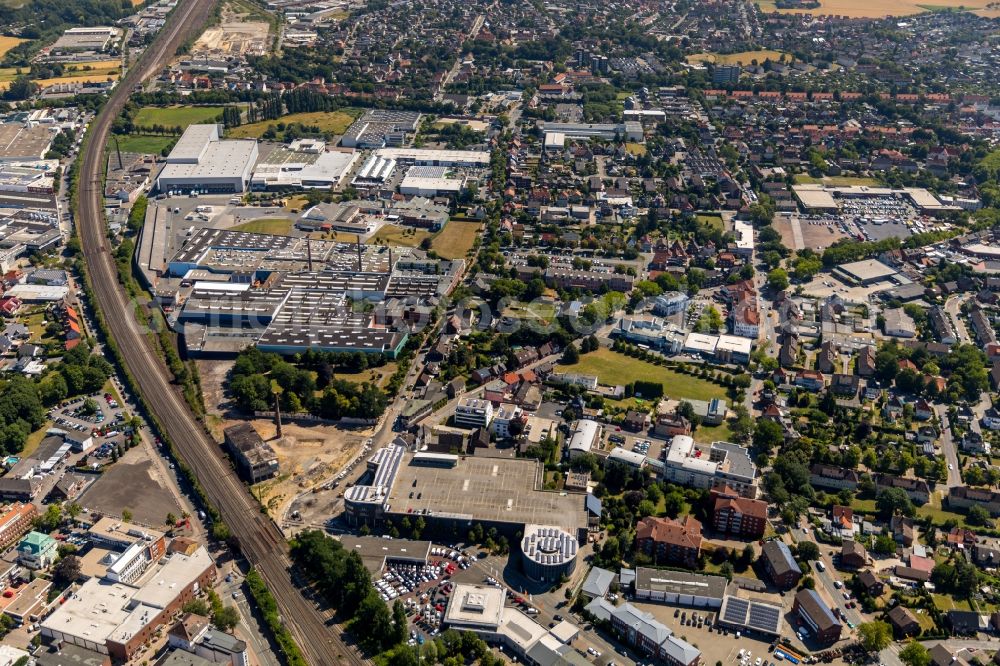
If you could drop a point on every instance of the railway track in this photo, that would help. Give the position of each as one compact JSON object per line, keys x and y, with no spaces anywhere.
{"x":261,"y":541}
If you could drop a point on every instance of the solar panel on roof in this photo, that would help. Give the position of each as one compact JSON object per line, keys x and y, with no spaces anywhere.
{"x":736,"y":610}
{"x":763,"y":616}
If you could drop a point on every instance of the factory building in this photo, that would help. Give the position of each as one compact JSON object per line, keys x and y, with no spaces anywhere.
{"x":202,"y":161}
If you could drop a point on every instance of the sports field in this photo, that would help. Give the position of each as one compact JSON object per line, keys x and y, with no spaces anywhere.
{"x":742,"y":58}
{"x":874,"y":8}
{"x":456,"y":239}
{"x":176,"y":116}
{"x":7,"y":43}
{"x":616,"y":369}
{"x":335,"y":122}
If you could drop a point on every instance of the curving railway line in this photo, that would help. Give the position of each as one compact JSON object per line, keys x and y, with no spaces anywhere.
{"x":261,"y":541}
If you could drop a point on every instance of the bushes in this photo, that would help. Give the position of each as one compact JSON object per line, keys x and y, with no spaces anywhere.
{"x":269,"y":609}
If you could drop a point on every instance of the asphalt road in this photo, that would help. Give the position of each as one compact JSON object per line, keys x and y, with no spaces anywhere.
{"x":261,"y":542}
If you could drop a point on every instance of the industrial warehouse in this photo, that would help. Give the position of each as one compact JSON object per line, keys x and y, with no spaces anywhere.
{"x":287,"y":294}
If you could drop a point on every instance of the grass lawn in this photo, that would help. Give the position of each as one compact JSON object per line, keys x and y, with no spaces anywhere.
{"x":938,"y":514}
{"x":176,"y":116}
{"x":391,"y":234}
{"x":34,"y":439}
{"x":834,"y":181}
{"x":335,"y":122}
{"x":616,"y":369}
{"x":708,"y":434}
{"x":636,"y":149}
{"x":946,"y":602}
{"x":278,"y":226}
{"x":143,"y":143}
{"x":863,"y":506}
{"x":7,"y":43}
{"x":456,"y":239}
{"x":714,"y":221}
{"x":543,"y":313}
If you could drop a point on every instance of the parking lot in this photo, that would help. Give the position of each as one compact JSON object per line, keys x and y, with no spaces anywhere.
{"x":647,"y":446}
{"x":423,"y":589}
{"x":100,"y":415}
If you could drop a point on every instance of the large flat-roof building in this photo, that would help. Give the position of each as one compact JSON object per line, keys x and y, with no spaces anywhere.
{"x":496,"y":492}
{"x":865,"y":272}
{"x":301,"y":165}
{"x":680,"y":587}
{"x":726,"y":464}
{"x":118,"y":619}
{"x":377,"y":128}
{"x":204,"y":162}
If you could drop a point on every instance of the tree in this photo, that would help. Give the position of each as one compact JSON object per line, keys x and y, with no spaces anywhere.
{"x":67,"y":570}
{"x":571,"y":355}
{"x":892,"y":501}
{"x":399,"y":622}
{"x":226,"y":618}
{"x":196,"y":606}
{"x":126,"y":515}
{"x":777,"y":279}
{"x":808,"y":550}
{"x":171,"y":520}
{"x":978,"y":516}
{"x":875,"y":636}
{"x":915,"y":654}
{"x":767,"y":435}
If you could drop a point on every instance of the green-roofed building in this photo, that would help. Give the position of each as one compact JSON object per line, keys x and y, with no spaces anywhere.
{"x":37,"y":550}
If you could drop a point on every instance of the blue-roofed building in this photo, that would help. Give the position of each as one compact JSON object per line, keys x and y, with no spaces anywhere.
{"x":594,"y":509}
{"x":817,"y":616}
{"x":779,"y":564}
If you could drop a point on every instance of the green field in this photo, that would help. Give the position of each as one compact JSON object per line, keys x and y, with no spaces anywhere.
{"x":834,"y":181}
{"x":714,"y":221}
{"x":616,"y":369}
{"x":392,"y":234}
{"x":334,"y":122}
{"x":456,"y":239}
{"x":279,"y":226}
{"x":142,"y":143}
{"x":176,"y":116}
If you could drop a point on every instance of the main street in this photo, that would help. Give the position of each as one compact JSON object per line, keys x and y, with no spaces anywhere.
{"x":260,"y":540}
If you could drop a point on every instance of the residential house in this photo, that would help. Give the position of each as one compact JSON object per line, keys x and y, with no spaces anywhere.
{"x":904,"y":622}
{"x":779,"y":564}
{"x":852,"y":554}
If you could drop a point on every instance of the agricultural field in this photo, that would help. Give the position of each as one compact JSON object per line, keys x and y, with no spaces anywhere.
{"x":85,"y":72}
{"x":7,"y":43}
{"x":267,"y":225}
{"x":176,"y":116}
{"x":335,"y":122}
{"x":743,"y":58}
{"x":615,"y":369}
{"x":456,"y":239}
{"x":873,"y":9}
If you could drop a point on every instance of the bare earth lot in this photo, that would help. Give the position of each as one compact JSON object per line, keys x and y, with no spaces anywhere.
{"x":308,"y":453}
{"x":133,"y":483}
{"x":810,"y":235}
{"x":873,"y":8}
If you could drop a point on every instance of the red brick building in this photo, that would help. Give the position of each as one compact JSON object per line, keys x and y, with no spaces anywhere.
{"x":739,"y":516}
{"x":670,"y":541}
